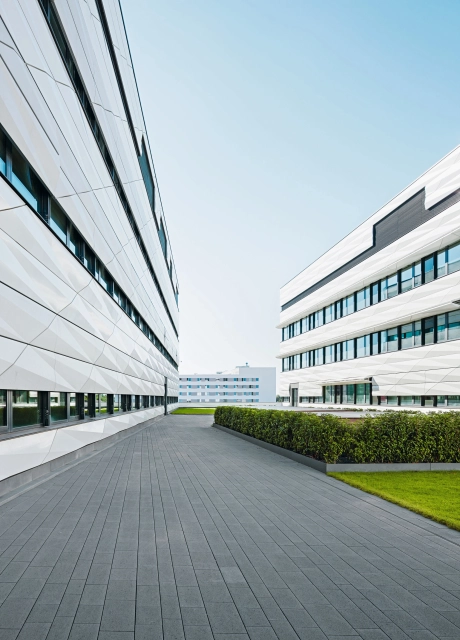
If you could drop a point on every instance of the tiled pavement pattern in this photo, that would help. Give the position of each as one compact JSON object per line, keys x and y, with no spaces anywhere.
{"x":182,"y":531}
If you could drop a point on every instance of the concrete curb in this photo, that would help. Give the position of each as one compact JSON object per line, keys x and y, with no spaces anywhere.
{"x":17,"y":481}
{"x":324,"y":467}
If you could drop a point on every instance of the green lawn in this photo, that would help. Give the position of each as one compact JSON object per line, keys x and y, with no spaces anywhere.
{"x":188,"y":411}
{"x":433,"y":494}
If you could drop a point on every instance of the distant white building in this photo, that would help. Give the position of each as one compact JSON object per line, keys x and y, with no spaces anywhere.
{"x":239,"y":385}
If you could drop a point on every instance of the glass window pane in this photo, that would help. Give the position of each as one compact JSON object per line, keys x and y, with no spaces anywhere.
{"x":392,"y":400}
{"x":407,"y":336}
{"x":441,"y":264}
{"x":363,"y":299}
{"x":89,"y":260}
{"x":25,"y":181}
{"x":392,"y":337}
{"x":348,"y":350}
{"x":363,"y":393}
{"x":406,"y":400}
{"x":441,"y":400}
{"x":2,"y":408}
{"x":86,"y":405}
{"x":348,"y":305}
{"x":453,"y":258}
{"x":75,"y":243}
{"x":304,"y":360}
{"x":417,"y":333}
{"x":58,"y":221}
{"x":406,"y":279}
{"x":329,"y":313}
{"x":453,"y":325}
{"x":319,"y":356}
{"x":428,"y":269}
{"x":304,"y":325}
{"x":363,"y":346}
{"x":375,"y":293}
{"x":133,"y":403}
{"x":417,"y":274}
{"x":441,"y":328}
{"x":73,"y":405}
{"x":26,"y":408}
{"x":375,"y":344}
{"x":392,"y":286}
{"x":428,"y":330}
{"x":58,"y":406}
{"x":338,"y":309}
{"x":453,"y":401}
{"x":2,"y":153}
{"x":329,"y":354}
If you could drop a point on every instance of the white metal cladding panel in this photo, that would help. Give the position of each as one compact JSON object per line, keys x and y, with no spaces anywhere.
{"x":433,"y":235}
{"x":439,"y":181}
{"x":59,"y":329}
{"x":83,"y":166}
{"x":429,"y":299}
{"x":430,"y":370}
{"x":50,"y":153}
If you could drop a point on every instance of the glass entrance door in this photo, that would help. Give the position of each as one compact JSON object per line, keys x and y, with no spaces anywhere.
{"x":294,"y":397}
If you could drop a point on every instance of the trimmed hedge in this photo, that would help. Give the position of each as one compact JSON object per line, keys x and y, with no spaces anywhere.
{"x":390,"y":436}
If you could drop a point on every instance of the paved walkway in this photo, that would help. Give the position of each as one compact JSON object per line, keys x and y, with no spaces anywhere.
{"x":183,"y":531}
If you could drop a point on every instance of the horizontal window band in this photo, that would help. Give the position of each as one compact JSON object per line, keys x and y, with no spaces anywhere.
{"x":21,"y":177}
{"x":427,"y":331}
{"x":71,"y":66}
{"x":404,"y":219}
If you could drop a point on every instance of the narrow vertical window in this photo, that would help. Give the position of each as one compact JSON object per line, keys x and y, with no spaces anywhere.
{"x":428,"y":269}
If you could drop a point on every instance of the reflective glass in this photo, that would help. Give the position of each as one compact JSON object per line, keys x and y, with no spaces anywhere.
{"x":348,"y":350}
{"x":329,"y":313}
{"x":406,"y":279}
{"x":133,"y":403}
{"x":375,"y":293}
{"x":363,"y":298}
{"x":329,"y":394}
{"x":304,"y":325}
{"x":348,"y":394}
{"x":304,"y":360}
{"x":428,"y":269}
{"x":58,"y":406}
{"x":86,"y":405}
{"x":348,"y":305}
{"x":89,"y":260}
{"x":363,"y":346}
{"x":2,"y":153}
{"x":441,"y":328}
{"x":405,"y":400}
{"x":116,"y":403}
{"x":441,"y":264}
{"x":75,"y":243}
{"x":24,"y":180}
{"x":453,"y":258}
{"x":338,"y":309}
{"x":428,"y":330}
{"x":375,"y":343}
{"x":392,"y":400}
{"x":319,"y":318}
{"x":441,"y":400}
{"x":297,"y":361}
{"x":26,"y":408}
{"x":363,"y":393}
{"x":319,"y":356}
{"x":392,"y":338}
{"x":453,"y":325}
{"x":58,"y":221}
{"x":329,"y":353}
{"x":2,"y":406}
{"x":407,"y":336}
{"x":453,"y":401}
{"x":73,"y":405}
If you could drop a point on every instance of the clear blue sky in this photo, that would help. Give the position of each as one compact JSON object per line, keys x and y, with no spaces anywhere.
{"x":276,"y":128}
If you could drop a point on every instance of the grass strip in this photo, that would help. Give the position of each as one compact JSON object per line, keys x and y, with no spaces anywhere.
{"x":190,"y":411}
{"x":433,"y":494}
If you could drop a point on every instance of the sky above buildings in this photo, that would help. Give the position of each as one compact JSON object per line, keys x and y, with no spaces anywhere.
{"x":276,"y":128}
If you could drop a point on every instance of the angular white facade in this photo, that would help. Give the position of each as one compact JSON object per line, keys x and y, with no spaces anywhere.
{"x":88,"y":290}
{"x":238,"y":385}
{"x":376,"y":319}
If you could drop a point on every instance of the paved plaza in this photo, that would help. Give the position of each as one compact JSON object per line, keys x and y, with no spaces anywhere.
{"x":181,"y":531}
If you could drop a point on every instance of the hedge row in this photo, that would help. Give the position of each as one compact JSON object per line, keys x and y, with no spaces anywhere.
{"x":390,"y":436}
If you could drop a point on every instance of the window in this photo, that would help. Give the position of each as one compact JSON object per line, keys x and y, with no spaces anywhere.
{"x":297,"y":361}
{"x":348,"y":305}
{"x":411,"y":277}
{"x":348,"y":394}
{"x":285,"y":364}
{"x":58,"y":406}
{"x":329,"y":394}
{"x":319,"y":356}
{"x":319,"y":318}
{"x":73,"y":408}
{"x":2,"y":153}
{"x":363,"y":346}
{"x":348,"y":350}
{"x":163,"y":241}
{"x":375,"y":293}
{"x":303,"y":361}
{"x":338,"y":352}
{"x":453,"y":260}
{"x":453,"y":401}
{"x":329,"y":313}
{"x":441,"y":333}
{"x":25,"y":181}
{"x":2,"y":391}
{"x":297,"y":328}
{"x":100,"y":407}
{"x":58,"y":221}
{"x":389,"y":287}
{"x":363,"y":299}
{"x":86,"y":405}
{"x":304,"y":325}
{"x":453,"y":325}
{"x":375,"y":344}
{"x":75,"y":243}
{"x":428,"y":330}
{"x":329,"y":354}
{"x":389,"y":340}
{"x":338,"y":309}
{"x":428,"y":269}
{"x":363,"y":393}
{"x":411,"y":335}
{"x":147,"y":176}
{"x":26,"y":408}
{"x":89,"y":260}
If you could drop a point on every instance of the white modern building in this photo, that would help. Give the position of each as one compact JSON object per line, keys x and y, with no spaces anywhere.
{"x":239,"y":385}
{"x":376,"y":319}
{"x":89,"y":314}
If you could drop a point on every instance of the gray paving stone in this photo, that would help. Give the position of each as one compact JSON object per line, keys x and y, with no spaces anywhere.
{"x":185,"y":532}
